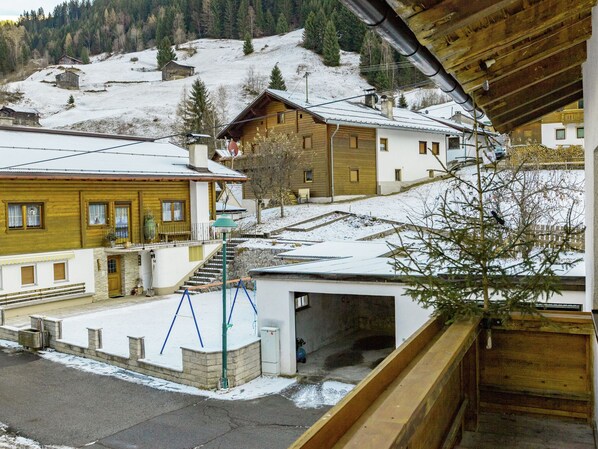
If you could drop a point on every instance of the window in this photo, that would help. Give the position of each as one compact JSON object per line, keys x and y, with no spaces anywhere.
{"x":580,"y":133}
{"x":435,"y":148}
{"x":173,"y":211}
{"x":112,"y":266}
{"x":28,"y":275}
{"x":308,"y":176}
{"x":98,"y":213}
{"x":59,"y":271}
{"x":280,"y":118}
{"x":560,"y":134}
{"x":301,"y":301}
{"x":353,"y":175}
{"x":25,"y":216}
{"x":422,"y":147}
{"x":383,"y":144}
{"x":398,"y":174}
{"x":307,"y":142}
{"x":453,"y":143}
{"x":353,"y":142}
{"x":580,"y":104}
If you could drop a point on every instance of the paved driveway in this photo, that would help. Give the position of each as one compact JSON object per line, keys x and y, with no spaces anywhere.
{"x":57,"y":405}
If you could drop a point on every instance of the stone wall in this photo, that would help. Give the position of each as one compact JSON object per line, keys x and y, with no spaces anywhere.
{"x":200,"y":369}
{"x":101,"y":274}
{"x":130,"y":263}
{"x":247,"y":259}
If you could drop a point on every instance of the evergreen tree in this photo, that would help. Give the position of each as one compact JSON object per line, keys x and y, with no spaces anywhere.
{"x":349,"y":28}
{"x":276,"y":79}
{"x":369,"y":56}
{"x":243,"y":19}
{"x":196,"y":114}
{"x":282,"y":26}
{"x":165,"y":53}
{"x":71,"y":101}
{"x":320,"y":26}
{"x":403,"y":101}
{"x":228,"y":24}
{"x":85,"y":55}
{"x":310,"y":34}
{"x":269,"y":23}
{"x":247,"y":45}
{"x":331,"y":48}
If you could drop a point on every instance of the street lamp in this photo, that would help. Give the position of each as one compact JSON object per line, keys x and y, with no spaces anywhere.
{"x":224,"y":224}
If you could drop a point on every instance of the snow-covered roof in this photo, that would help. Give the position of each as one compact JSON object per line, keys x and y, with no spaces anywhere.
{"x":448,"y":110}
{"x":349,"y":112}
{"x":21,"y":109}
{"x":464,"y":126}
{"x":53,"y":153}
{"x":336,"y":250}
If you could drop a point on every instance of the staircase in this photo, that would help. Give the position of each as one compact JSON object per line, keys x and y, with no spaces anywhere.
{"x":211,"y":271}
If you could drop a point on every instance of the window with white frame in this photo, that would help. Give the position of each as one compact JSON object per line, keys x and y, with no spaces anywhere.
{"x":25,"y":215}
{"x":98,"y":213}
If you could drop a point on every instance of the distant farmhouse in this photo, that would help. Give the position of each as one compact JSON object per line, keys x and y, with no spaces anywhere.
{"x":20,"y":116}
{"x":358,"y":148}
{"x":174,"y":71}
{"x":68,"y":80}
{"x":69,"y":60}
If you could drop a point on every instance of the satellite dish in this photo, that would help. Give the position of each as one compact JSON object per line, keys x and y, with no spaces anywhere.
{"x":233,"y":148}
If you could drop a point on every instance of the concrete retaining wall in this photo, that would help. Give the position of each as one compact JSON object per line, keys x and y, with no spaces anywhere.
{"x":200,"y":369}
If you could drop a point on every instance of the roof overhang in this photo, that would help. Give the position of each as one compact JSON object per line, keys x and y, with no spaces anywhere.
{"x":116,"y":177}
{"x":528,"y":53}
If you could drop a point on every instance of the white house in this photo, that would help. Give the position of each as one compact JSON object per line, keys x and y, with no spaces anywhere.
{"x":65,"y":195}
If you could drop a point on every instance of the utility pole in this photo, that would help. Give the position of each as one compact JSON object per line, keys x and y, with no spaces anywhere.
{"x":306,"y":76}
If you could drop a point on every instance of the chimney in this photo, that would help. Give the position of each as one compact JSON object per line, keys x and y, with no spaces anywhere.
{"x":387,"y":105}
{"x":371,"y":98}
{"x":6,"y":121}
{"x":198,"y":155}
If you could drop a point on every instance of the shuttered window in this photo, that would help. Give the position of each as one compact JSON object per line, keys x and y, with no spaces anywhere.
{"x":28,"y":275}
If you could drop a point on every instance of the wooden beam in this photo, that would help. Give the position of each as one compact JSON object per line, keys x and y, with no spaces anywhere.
{"x":570,"y":34}
{"x":523,"y":79}
{"x":451,"y":15}
{"x":480,"y":44}
{"x":531,"y":102}
{"x":543,"y":88}
{"x":530,"y":116}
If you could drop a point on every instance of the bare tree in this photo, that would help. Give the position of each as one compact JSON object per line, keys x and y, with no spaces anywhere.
{"x":254,"y":82}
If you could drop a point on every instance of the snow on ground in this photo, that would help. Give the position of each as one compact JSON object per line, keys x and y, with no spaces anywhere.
{"x":125,"y":93}
{"x":152,"y":321}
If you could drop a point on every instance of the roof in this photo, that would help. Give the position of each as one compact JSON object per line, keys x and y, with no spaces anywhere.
{"x":528,"y":54}
{"x":174,"y":63}
{"x":344,"y":112}
{"x":42,"y":153}
{"x":71,"y":58}
{"x":448,"y":110}
{"x":21,"y":109}
{"x":336,"y":250}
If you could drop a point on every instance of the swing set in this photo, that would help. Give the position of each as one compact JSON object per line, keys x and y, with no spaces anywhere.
{"x":240,"y":284}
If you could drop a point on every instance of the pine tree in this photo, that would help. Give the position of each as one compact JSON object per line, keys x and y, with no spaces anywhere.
{"x":85,"y":55}
{"x":320,"y":26}
{"x":282,"y":26}
{"x":243,"y":19}
{"x":276,"y":79}
{"x":269,"y":23}
{"x":165,"y":53}
{"x":196,"y":113}
{"x":247,"y":45}
{"x":403,"y":101}
{"x":331,"y":48}
{"x":71,"y":101}
{"x":310,"y":34}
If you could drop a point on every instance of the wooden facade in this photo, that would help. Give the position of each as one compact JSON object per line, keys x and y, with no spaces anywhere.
{"x":65,"y":221}
{"x":326,"y":143}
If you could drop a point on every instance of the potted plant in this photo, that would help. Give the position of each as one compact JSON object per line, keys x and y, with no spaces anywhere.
{"x":149,"y":226}
{"x":110,"y":237}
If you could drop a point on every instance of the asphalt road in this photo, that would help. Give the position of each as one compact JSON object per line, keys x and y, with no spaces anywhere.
{"x":57,"y":405}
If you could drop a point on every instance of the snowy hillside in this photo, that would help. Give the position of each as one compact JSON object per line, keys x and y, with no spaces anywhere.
{"x":125,"y":93}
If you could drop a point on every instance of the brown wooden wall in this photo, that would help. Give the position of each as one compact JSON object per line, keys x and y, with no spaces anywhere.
{"x":66,"y":208}
{"x":362,"y":158}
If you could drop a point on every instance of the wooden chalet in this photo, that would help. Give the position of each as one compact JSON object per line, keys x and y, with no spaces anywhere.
{"x":349,"y":142}
{"x":174,"y":71}
{"x":68,"y":195}
{"x":69,"y":60}
{"x":529,"y":383}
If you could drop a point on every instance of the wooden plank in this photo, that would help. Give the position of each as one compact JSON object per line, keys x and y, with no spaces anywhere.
{"x":490,"y":38}
{"x":326,"y":432}
{"x":456,"y":427}
{"x":527,"y":79}
{"x":527,"y":53}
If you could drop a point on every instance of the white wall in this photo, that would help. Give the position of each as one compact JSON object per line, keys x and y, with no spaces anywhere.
{"x":403,"y":153}
{"x":200,"y":202}
{"x":80,"y":268}
{"x":549,"y":134}
{"x":275,"y":302}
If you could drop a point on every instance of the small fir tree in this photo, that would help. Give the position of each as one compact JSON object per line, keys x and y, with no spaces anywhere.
{"x":165,"y":53}
{"x":276,"y":79}
{"x":331,"y":48}
{"x":71,"y":101}
{"x":247,"y":45}
{"x":403,"y":101}
{"x":282,"y":26}
{"x":85,"y":55}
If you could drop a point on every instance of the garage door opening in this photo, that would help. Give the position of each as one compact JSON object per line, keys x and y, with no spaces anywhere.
{"x":346,"y":336}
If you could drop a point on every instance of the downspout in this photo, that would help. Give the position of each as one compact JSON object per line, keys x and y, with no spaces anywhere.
{"x":332,"y":162}
{"x":378,"y":15}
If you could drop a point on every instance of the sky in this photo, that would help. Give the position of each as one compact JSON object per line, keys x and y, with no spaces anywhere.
{"x":11,"y":9}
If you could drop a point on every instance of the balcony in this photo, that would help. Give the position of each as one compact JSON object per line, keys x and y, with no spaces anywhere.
{"x":448,"y":387}
{"x":572,"y":116}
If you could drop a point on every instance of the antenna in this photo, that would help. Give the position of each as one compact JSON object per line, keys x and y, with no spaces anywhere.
{"x":306,"y":76}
